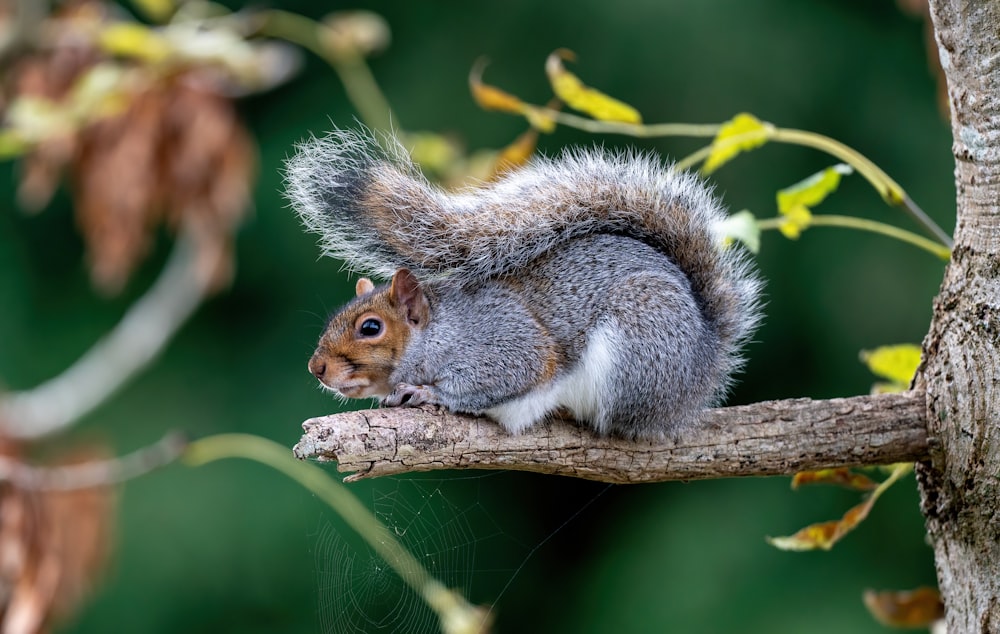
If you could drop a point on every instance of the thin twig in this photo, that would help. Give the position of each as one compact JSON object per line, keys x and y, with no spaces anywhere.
{"x":355,"y":75}
{"x":135,"y":341}
{"x":95,"y":473}
{"x":863,"y":224}
{"x":456,"y":614}
{"x":889,"y":189}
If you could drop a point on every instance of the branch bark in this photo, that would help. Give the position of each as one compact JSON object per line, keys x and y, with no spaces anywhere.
{"x":769,"y":438}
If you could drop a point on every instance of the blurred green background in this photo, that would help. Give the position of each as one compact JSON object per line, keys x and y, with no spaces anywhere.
{"x":236,"y":547}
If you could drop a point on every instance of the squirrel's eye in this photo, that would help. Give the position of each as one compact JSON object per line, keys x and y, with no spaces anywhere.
{"x":370,"y":328}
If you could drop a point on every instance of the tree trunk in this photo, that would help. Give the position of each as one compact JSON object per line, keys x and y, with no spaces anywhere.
{"x":960,"y":486}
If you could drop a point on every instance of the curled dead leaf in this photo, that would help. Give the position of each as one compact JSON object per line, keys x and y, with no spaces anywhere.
{"x":53,"y":547}
{"x":517,"y":154}
{"x":116,"y":187}
{"x":490,"y":97}
{"x":825,"y":534}
{"x":919,"y":608}
{"x":841,"y":476}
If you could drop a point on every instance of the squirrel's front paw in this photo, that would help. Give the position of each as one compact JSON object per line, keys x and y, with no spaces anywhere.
{"x":406,"y":395}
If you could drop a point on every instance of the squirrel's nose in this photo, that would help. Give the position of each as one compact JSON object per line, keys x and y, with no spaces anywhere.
{"x":317,"y":367}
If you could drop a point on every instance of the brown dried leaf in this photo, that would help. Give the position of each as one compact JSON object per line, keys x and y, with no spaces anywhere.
{"x":841,"y":476}
{"x":79,"y":541}
{"x":117,"y":189}
{"x":176,"y":150}
{"x":53,"y":546}
{"x":918,"y":608}
{"x":50,"y":75}
{"x":824,"y":534}
{"x":41,"y":171}
{"x":517,"y":154}
{"x":210,"y":163}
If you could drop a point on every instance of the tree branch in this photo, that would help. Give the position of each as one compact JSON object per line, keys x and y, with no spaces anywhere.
{"x":134,"y":342}
{"x":769,"y":438}
{"x":93,"y":473}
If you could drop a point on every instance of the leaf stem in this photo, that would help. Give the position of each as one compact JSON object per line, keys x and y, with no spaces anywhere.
{"x":629,"y":129}
{"x":888,"y":189}
{"x":456,"y":614}
{"x":850,"y":222}
{"x":693,"y":159}
{"x":362,"y":89}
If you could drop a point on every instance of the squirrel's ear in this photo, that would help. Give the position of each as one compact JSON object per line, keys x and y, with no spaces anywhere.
{"x":363,"y":286}
{"x":405,"y":289}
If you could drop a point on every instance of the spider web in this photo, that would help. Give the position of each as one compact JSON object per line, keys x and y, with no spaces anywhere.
{"x":444,"y":524}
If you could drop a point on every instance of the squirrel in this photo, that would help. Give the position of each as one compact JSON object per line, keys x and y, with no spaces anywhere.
{"x":593,"y":283}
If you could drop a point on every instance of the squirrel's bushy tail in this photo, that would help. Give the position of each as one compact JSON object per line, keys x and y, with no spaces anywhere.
{"x":376,"y":212}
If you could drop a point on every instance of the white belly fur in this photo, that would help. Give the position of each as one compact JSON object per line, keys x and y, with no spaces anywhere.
{"x":579,"y":391}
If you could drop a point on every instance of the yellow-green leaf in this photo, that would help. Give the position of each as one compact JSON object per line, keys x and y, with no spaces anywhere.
{"x":910,"y":609}
{"x":11,"y":145}
{"x":897,"y":363}
{"x":794,"y":221}
{"x":579,"y":96}
{"x":813,"y":190}
{"x":434,"y":153}
{"x":741,"y":226}
{"x":129,"y":39}
{"x":99,"y":91}
{"x":35,"y":119}
{"x":885,"y":387}
{"x":795,"y":203}
{"x":741,"y":133}
{"x":158,"y":10}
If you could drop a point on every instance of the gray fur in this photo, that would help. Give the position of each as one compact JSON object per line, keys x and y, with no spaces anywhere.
{"x":536,"y":263}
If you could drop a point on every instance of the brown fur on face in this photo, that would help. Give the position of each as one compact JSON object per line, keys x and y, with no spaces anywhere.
{"x":363,"y":342}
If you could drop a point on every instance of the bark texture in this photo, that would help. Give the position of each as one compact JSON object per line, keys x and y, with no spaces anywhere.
{"x":770,"y":438}
{"x":960,"y":486}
